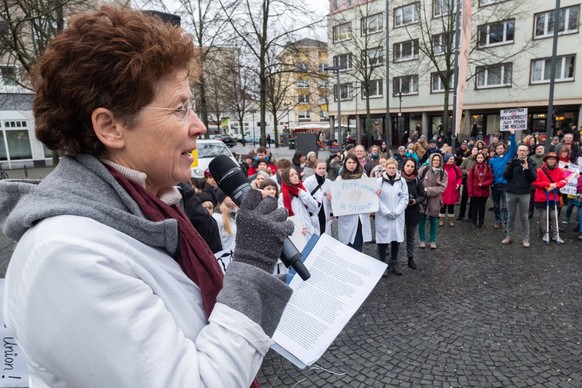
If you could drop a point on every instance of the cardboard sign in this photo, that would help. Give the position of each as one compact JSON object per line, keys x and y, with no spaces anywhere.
{"x":354,"y":196}
{"x":571,"y":172}
{"x":513,"y":118}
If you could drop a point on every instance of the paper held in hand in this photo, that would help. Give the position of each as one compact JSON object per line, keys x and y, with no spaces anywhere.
{"x":341,"y":280}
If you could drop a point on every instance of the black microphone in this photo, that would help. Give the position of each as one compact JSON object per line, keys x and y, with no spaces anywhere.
{"x":234,"y":183}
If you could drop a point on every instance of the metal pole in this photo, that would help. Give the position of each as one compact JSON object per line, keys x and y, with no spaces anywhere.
{"x":456,"y":74}
{"x":388,"y":122}
{"x":339,"y":105}
{"x":549,"y":118}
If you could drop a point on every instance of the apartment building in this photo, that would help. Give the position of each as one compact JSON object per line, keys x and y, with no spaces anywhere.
{"x":304,"y":83}
{"x":509,"y":65}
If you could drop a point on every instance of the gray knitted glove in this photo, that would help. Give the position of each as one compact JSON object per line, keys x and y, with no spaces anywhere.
{"x":261,"y":228}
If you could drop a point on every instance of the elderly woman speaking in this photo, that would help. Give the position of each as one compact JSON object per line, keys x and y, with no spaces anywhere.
{"x":110,"y":285}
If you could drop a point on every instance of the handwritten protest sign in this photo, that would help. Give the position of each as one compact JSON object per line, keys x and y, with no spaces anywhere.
{"x":354,"y":196}
{"x":513,"y":118}
{"x":14,"y":369}
{"x":571,"y":172}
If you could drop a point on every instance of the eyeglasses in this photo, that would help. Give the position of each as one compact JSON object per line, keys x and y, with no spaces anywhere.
{"x":181,"y":112}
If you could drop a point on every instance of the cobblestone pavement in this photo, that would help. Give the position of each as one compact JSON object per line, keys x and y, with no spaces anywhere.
{"x":475,"y":314}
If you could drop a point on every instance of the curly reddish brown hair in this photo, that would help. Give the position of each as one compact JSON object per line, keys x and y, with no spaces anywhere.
{"x":110,"y":58}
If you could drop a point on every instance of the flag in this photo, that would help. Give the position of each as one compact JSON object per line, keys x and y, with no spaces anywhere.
{"x":463,"y":63}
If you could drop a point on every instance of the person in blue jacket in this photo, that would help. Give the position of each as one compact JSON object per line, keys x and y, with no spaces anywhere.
{"x":497,"y":163}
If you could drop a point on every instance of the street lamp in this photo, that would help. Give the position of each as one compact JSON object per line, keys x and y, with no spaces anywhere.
{"x":338,"y":97}
{"x":253,"y":113}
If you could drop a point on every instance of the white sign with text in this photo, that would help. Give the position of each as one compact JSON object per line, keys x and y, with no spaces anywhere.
{"x":513,"y":118}
{"x":354,"y":196}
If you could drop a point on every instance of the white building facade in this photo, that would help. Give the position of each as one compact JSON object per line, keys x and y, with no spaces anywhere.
{"x":509,"y":65}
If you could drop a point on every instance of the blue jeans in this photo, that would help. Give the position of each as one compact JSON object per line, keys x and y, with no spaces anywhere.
{"x":499,"y":202}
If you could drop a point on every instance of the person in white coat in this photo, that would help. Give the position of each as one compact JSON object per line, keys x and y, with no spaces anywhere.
{"x":295,"y":198}
{"x":353,"y":229}
{"x":319,"y":187}
{"x":393,"y":193}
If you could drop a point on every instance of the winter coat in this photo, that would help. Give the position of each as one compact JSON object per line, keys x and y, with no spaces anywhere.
{"x":542,"y":182}
{"x":519,"y":180}
{"x":466,"y":165}
{"x":393,"y":199}
{"x":321,"y":199}
{"x":415,"y":191}
{"x":347,"y":226}
{"x":479,"y":180}
{"x":303,"y":206}
{"x":451,"y":195}
{"x":435,"y":184}
{"x":498,"y":163}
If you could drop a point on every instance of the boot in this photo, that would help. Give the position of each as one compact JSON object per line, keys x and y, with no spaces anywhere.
{"x":394,"y":268}
{"x":451,"y":220}
{"x":411,"y":263}
{"x":441,"y":220}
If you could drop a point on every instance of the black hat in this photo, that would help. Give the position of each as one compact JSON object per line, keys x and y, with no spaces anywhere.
{"x":203,"y":196}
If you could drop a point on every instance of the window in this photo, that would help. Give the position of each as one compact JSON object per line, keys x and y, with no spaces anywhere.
{"x":323,"y":115}
{"x":375,"y":88}
{"x":372,"y":24}
{"x":15,"y":135}
{"x":8,"y":75}
{"x":442,"y":7}
{"x":342,"y":32}
{"x":541,"y":69}
{"x":436,"y":83}
{"x":405,"y":51}
{"x":407,"y":85}
{"x":372,"y":57}
{"x":406,"y":15}
{"x":496,"y":33}
{"x":301,"y":66}
{"x":494,"y":76}
{"x":567,"y":22}
{"x":343,"y":61}
{"x":346,"y":91}
{"x":303,"y":114}
{"x":302,"y":83}
{"x":303,"y":98}
{"x":488,"y":2}
{"x":439,"y":44}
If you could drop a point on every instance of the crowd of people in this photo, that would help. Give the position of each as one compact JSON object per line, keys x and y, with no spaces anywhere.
{"x":441,"y":185}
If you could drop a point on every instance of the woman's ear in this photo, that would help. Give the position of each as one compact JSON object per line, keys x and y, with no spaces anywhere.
{"x":107,"y":128}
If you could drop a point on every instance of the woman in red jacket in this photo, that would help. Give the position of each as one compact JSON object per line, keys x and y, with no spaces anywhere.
{"x":550,"y":179}
{"x":451,"y":195}
{"x":479,"y":181}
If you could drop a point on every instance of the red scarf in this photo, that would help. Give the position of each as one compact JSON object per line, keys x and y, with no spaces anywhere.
{"x":288,"y":192}
{"x":195,"y":257}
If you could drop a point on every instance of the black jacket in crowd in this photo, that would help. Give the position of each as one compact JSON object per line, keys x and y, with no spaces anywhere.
{"x":415,"y":191}
{"x":519,"y":180}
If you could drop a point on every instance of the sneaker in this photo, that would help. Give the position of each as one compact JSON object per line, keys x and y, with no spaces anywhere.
{"x":545,"y":238}
{"x":432,"y":245}
{"x":557,"y":239}
{"x":565,"y":222}
{"x":506,"y":240}
{"x":422,"y":244}
{"x":526,"y":243}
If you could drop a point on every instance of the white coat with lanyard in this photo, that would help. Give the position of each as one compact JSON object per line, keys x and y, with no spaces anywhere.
{"x":319,"y":195}
{"x":347,"y":226}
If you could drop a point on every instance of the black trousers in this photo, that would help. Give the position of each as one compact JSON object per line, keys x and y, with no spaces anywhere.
{"x":394,"y":245}
{"x":477,"y":209}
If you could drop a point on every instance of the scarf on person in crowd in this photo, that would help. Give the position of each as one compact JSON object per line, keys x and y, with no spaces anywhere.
{"x":288,"y":192}
{"x":411,"y":176}
{"x":320,"y":179}
{"x":388,"y":178}
{"x":352,"y":175}
{"x":195,"y":257}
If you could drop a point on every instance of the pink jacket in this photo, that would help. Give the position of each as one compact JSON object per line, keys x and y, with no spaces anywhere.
{"x":451,"y":195}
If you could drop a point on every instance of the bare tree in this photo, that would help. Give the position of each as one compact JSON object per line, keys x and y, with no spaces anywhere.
{"x":361,"y":54}
{"x":262,"y":25}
